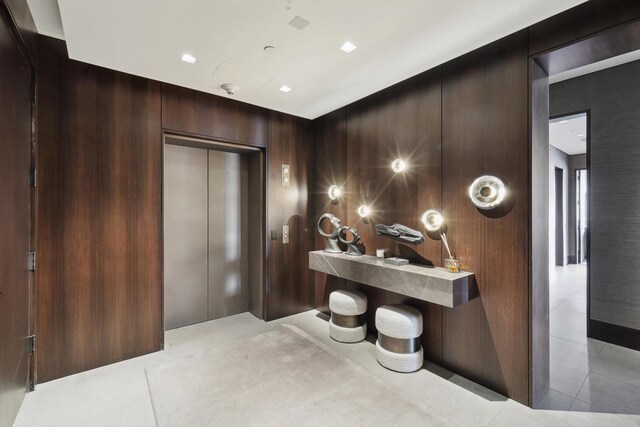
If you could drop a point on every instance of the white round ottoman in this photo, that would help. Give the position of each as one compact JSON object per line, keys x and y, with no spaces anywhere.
{"x":347,"y":322}
{"x":398,"y":346}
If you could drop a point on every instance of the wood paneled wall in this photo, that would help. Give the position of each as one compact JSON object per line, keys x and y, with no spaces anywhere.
{"x":355,"y":147}
{"x":202,"y":114}
{"x":15,"y":280}
{"x":289,"y":280}
{"x":100,"y":214}
{"x":485,"y":131}
{"x":99,"y":276}
{"x":451,"y":124}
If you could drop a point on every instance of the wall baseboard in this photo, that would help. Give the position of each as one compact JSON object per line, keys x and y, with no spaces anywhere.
{"x":614,"y":334}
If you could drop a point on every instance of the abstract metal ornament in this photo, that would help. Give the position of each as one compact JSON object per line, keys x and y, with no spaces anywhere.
{"x":400,"y":233}
{"x":352,"y":245}
{"x":487,"y":192}
{"x":332,"y":237}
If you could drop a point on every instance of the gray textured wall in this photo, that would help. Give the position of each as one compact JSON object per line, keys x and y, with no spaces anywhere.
{"x":613,"y":97}
{"x":558,"y":159}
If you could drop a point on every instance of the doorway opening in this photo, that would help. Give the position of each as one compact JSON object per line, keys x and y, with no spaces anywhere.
{"x":213,"y":205}
{"x":584,"y":323}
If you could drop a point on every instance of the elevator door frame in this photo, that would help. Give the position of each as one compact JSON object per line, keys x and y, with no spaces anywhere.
{"x":257,"y":180}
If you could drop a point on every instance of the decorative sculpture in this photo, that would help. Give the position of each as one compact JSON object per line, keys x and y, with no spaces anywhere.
{"x":353,"y":248}
{"x":399,"y":233}
{"x":332,"y":237}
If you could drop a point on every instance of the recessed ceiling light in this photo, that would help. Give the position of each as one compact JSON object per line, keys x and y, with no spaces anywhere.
{"x":564,"y":121}
{"x":348,"y":47}
{"x":189,"y":58}
{"x":285,"y":88}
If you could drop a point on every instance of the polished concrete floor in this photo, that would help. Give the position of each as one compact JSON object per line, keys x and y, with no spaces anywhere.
{"x":118,"y":394}
{"x":586,"y":374}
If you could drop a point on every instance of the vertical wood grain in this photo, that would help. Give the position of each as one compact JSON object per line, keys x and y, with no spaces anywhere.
{"x":204,"y":114}
{"x":355,"y":147}
{"x":15,"y":158}
{"x":330,"y":169}
{"x":289,"y":280}
{"x":485,"y":131}
{"x":99,"y":218}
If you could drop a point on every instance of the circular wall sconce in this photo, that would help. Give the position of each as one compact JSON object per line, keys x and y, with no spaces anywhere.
{"x":364,"y":211}
{"x":432,"y":220}
{"x":398,"y":165}
{"x":334,"y":192}
{"x":487,"y":192}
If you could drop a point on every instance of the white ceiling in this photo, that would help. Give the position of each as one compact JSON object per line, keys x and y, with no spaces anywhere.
{"x":569,"y":133}
{"x":395,"y":40}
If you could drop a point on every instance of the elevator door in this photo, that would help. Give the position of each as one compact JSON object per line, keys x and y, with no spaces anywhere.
{"x":205,"y":239}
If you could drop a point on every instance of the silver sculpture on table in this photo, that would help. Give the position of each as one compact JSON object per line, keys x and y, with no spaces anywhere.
{"x":399,"y":233}
{"x":353,"y":248}
{"x":332,"y":237}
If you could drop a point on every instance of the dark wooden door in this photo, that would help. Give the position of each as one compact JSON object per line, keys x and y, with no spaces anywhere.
{"x":15,"y":134}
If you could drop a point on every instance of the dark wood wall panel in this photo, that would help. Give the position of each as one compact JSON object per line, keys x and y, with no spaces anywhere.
{"x":485,"y":131}
{"x":99,"y":216}
{"x":200,"y":113}
{"x":579,"y":22}
{"x":355,"y":147}
{"x":330,"y":168}
{"x":15,"y":157}
{"x":289,"y":280}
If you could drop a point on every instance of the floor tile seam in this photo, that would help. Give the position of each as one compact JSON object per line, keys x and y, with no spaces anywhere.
{"x":566,"y":413}
{"x":153,"y":408}
{"x":609,"y":377}
{"x":571,"y":341}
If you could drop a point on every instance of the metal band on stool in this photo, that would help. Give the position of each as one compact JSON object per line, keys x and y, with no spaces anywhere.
{"x":399,"y":345}
{"x":352,"y":321}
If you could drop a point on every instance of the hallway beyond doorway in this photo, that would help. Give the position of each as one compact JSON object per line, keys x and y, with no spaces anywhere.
{"x":586,"y":374}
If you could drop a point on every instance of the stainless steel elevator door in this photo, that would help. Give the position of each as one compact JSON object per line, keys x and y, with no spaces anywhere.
{"x":206,"y":235}
{"x":228,"y":267}
{"x":185,"y":236}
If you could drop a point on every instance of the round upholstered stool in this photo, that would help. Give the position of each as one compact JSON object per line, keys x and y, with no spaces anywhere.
{"x":347,"y":322}
{"x":398,"y":347}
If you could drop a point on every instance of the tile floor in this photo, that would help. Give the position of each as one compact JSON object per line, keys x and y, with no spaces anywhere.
{"x":586,"y":375}
{"x":118,"y":394}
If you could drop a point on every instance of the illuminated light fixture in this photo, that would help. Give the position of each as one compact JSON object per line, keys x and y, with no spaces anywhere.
{"x":432,"y":220}
{"x":189,"y":58}
{"x":334,"y":192}
{"x":348,"y":47}
{"x":398,"y":165}
{"x":364,"y":211}
{"x":580,"y":135}
{"x":285,"y":89}
{"x":564,"y":121}
{"x":487,"y":192}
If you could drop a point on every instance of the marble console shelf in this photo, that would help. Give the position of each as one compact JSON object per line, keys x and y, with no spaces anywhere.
{"x":435,"y":285}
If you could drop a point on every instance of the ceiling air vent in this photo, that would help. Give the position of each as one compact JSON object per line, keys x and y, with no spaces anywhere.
{"x":299,"y":23}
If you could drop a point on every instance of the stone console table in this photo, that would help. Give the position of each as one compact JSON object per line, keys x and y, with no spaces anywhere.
{"x":432,"y":284}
